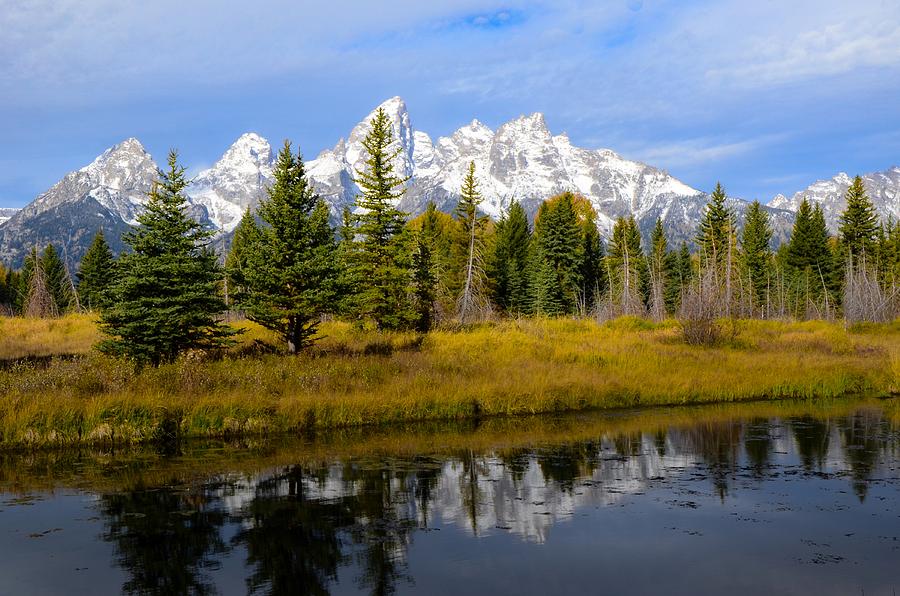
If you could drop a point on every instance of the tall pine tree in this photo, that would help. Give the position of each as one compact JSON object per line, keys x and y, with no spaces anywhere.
{"x":472,"y":297}
{"x":290,"y":273}
{"x":660,"y":265}
{"x":716,"y":227}
{"x":510,"y":261}
{"x":378,"y":254}
{"x":424,"y":280}
{"x":165,"y":300}
{"x":246,"y":235}
{"x":756,"y":255}
{"x":96,"y":274}
{"x":859,"y":222}
{"x":556,"y":271}
{"x":590,"y":269}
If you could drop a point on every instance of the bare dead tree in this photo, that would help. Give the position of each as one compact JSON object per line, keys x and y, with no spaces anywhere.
{"x":864,"y":298}
{"x":39,"y":301}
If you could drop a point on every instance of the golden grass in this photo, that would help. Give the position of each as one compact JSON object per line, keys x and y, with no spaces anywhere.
{"x":355,"y":378}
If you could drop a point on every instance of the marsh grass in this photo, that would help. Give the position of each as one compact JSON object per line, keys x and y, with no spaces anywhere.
{"x":353,"y":378}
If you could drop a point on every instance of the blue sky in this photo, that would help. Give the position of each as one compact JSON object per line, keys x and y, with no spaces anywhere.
{"x":766,"y":96}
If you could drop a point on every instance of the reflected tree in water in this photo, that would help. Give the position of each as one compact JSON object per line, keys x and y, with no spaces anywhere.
{"x":567,"y":463}
{"x":382,"y":534}
{"x":165,"y":538}
{"x":758,"y":445}
{"x":717,"y":444}
{"x":292,"y":541}
{"x":863,"y":441}
{"x":812,"y":437}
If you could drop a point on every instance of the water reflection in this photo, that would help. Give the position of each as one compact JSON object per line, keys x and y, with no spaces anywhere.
{"x":349,"y":522}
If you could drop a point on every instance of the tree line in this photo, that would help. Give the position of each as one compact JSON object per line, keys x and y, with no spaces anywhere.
{"x":288,"y":268}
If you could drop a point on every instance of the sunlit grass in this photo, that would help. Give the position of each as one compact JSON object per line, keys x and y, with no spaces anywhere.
{"x":355,"y":377}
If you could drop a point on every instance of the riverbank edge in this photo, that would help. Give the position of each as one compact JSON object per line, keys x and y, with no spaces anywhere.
{"x":354,"y":378}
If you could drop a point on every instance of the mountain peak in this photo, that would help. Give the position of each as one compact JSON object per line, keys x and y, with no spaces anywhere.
{"x":249,"y":148}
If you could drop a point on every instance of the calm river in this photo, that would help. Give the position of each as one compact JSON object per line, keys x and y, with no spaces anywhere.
{"x":789,"y":498}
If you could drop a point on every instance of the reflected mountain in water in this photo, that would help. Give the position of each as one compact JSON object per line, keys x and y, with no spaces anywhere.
{"x":380,"y":522}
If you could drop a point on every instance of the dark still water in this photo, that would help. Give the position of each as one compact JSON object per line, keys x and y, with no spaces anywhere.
{"x":765,"y":498}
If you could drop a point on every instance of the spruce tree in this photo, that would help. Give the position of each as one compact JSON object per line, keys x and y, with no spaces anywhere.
{"x":756,"y":255}
{"x":660,"y":269}
{"x":472,"y":226}
{"x":714,"y":232}
{"x":809,"y":260}
{"x":165,"y":300}
{"x":590,"y":269}
{"x":291,"y":262}
{"x":96,"y":274}
{"x":379,"y":255}
{"x":424,"y":280}
{"x":58,"y":281}
{"x":246,"y":236}
{"x":510,"y":263}
{"x":558,"y":244}
{"x":859,"y":222}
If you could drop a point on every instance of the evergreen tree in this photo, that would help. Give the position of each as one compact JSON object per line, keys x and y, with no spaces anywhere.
{"x":443,"y":234}
{"x":472,"y":226}
{"x":558,"y":244}
{"x":714,"y":233}
{"x":808,"y":256}
{"x":756,"y":255}
{"x":379,"y":256}
{"x":96,"y":273}
{"x":58,"y":281}
{"x":424,"y":281}
{"x":859,"y":222}
{"x":590,"y":269}
{"x":291,"y":260}
{"x":889,"y":255}
{"x":660,"y":266}
{"x":165,"y":300}
{"x":510,"y":262}
{"x":246,"y":237}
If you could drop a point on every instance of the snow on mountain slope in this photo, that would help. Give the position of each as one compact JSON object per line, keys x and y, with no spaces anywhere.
{"x":118,"y":179}
{"x":521,"y":160}
{"x":237,"y":181}
{"x":883,"y":188}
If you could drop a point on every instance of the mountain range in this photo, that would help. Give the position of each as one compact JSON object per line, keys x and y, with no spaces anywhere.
{"x":521,"y":160}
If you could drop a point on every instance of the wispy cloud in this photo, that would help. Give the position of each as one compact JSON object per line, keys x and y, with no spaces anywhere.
{"x":693,"y":152}
{"x":702,"y":87}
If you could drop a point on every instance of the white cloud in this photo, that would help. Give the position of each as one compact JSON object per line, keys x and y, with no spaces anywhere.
{"x":699,"y":151}
{"x":832,"y":50}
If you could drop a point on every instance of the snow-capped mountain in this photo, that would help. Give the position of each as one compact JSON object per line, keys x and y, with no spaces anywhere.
{"x":237,"y":181}
{"x":105,"y":194}
{"x":883,"y":188}
{"x":521,"y":160}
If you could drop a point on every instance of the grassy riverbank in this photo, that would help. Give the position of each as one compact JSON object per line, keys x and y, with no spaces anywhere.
{"x":353,"y":377}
